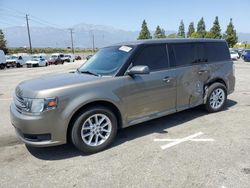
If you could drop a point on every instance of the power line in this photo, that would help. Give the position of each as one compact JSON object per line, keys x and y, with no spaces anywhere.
{"x":35,"y":21}
{"x":45,"y":22}
{"x":13,"y":15}
{"x":12,"y":10}
{"x":19,"y":14}
{"x":10,"y":14}
{"x":7,"y":23}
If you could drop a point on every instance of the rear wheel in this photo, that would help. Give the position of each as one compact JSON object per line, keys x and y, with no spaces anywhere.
{"x":217,"y":96}
{"x":94,"y":129}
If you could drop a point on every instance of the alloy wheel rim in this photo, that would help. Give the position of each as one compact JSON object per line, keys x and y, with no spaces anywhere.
{"x":96,"y":130}
{"x":217,"y":98}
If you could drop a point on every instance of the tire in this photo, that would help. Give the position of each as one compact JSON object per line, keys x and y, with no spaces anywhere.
{"x":18,"y":65}
{"x":217,"y":97}
{"x":46,"y":64}
{"x":85,"y":139}
{"x":2,"y":66}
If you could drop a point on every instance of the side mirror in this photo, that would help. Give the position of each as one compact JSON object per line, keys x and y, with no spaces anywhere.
{"x":139,"y":69}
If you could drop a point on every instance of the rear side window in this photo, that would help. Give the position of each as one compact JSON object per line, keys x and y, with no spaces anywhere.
{"x":216,"y":51}
{"x":155,"y":57}
{"x":185,"y":54}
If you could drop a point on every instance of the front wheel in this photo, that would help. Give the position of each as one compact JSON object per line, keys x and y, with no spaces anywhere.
{"x":2,"y":66}
{"x":217,"y":96}
{"x":94,"y":129}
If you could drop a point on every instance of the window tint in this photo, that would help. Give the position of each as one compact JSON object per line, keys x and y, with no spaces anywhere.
{"x":155,"y":57}
{"x":185,"y":54}
{"x":216,"y":51}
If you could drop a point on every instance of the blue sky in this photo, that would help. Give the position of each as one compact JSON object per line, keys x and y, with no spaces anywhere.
{"x":125,"y":14}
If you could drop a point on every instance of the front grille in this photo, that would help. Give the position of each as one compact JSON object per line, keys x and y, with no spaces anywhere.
{"x":21,"y":104}
{"x":19,"y":91}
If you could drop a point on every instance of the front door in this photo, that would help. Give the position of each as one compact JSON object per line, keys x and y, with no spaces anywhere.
{"x":152,"y":95}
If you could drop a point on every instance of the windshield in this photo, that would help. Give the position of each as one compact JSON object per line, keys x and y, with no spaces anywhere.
{"x":107,"y":61}
{"x":12,"y":57}
{"x":35,"y":58}
{"x":54,"y":56}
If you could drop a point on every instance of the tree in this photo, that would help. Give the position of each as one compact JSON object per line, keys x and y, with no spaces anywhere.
{"x":209,"y":35}
{"x":201,"y":28}
{"x":191,"y":29}
{"x":144,"y":33}
{"x":172,"y":35}
{"x":3,"y":42}
{"x":195,"y":35}
{"x":181,"y":32}
{"x":163,"y":33}
{"x":230,"y":35}
{"x":215,"y":30}
{"x":159,"y":33}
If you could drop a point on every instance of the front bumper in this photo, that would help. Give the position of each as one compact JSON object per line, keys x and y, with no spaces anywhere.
{"x":32,"y":65}
{"x":43,"y":130}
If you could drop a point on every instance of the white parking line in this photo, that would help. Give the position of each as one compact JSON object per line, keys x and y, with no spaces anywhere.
{"x":178,"y":141}
{"x":7,"y":99}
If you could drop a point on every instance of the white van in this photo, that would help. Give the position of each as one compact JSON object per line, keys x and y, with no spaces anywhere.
{"x":2,"y":60}
{"x":17,"y":60}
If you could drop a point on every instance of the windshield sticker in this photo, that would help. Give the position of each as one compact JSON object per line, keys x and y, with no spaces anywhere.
{"x":125,"y":48}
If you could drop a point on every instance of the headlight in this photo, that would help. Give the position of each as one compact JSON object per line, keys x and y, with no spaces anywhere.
{"x":39,"y":105}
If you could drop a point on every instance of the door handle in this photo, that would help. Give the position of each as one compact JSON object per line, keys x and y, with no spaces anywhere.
{"x":167,"y":79}
{"x":202,"y":71}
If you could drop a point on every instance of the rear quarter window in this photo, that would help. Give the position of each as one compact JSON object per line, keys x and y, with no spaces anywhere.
{"x":216,"y":51}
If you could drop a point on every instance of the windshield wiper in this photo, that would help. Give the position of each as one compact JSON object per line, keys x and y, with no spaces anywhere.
{"x":89,"y":72}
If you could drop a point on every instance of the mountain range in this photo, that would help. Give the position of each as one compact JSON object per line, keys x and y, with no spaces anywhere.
{"x":83,"y":36}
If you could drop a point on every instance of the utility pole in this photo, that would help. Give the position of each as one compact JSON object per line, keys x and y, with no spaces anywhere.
{"x":93,"y":42}
{"x":28,"y":28}
{"x":72,"y":43}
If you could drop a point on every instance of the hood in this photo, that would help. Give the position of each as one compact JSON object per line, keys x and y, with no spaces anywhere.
{"x":48,"y":84}
{"x":52,"y":60}
{"x":11,"y":60}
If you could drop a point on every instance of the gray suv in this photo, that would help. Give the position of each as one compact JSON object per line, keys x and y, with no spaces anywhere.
{"x":120,"y":86}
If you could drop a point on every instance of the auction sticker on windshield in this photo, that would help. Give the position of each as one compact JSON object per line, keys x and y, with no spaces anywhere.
{"x":125,"y":48}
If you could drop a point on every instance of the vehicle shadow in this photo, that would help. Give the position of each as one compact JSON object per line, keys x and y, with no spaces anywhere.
{"x":154,"y":126}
